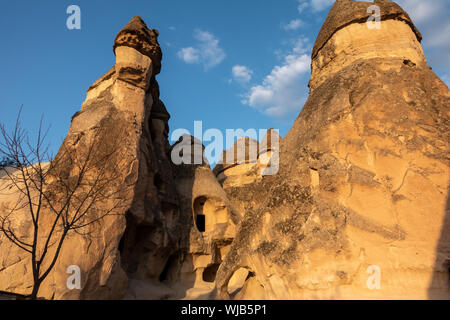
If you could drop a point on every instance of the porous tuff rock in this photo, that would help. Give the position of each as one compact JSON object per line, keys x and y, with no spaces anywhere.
{"x":345,"y":38}
{"x":363,"y":181}
{"x":143,"y":250}
{"x":239,"y":164}
{"x":346,"y":12}
{"x":246,"y":161}
{"x":192,"y":271}
{"x":115,"y":116}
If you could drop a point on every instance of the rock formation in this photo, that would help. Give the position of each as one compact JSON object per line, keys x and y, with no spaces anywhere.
{"x":363,"y":181}
{"x":116,"y":109}
{"x":151,"y":246}
{"x":239,"y":164}
{"x":246,"y":161}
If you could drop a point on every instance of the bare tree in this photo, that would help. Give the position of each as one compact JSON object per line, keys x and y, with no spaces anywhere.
{"x":57,"y":196}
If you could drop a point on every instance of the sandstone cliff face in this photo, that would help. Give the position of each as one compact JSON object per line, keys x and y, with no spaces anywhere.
{"x":117,"y":108}
{"x":363,"y":178}
{"x":150,"y":247}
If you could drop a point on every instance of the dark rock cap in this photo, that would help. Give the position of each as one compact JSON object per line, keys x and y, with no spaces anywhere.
{"x":136,"y":35}
{"x":346,"y":12}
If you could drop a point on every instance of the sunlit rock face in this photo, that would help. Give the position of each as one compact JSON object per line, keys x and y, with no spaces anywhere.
{"x":247,"y":160}
{"x":239,"y":165}
{"x":115,"y":117}
{"x":347,"y":36}
{"x":358,"y":208}
{"x":153,"y":246}
{"x":362,"y":192}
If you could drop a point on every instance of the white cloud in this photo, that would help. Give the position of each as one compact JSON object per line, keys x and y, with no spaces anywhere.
{"x":241,"y":73}
{"x":315,"y":5}
{"x":301,"y":45}
{"x":207,"y":51}
{"x":293,"y":25}
{"x":283,"y":91}
{"x":189,"y":55}
{"x":302,"y":5}
{"x":172,"y":28}
{"x":319,"y":5}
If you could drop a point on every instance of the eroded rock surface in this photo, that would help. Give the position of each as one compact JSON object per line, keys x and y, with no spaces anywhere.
{"x":361,"y":182}
{"x":114,"y":118}
{"x":152,"y":247}
{"x":363,"y":178}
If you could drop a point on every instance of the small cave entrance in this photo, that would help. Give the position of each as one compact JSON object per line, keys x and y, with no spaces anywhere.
{"x":209,"y":274}
{"x":170,"y":268}
{"x":447,"y":264}
{"x":127,"y":241}
{"x":157,"y":181}
{"x":132,"y":243}
{"x":200,"y":222}
{"x":209,"y":212}
{"x":199,"y":214}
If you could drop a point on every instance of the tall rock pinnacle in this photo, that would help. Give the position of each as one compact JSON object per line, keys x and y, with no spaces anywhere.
{"x":363,"y":184}
{"x":115,"y":118}
{"x":174,"y":223}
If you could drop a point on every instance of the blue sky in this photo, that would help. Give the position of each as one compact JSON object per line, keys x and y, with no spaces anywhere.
{"x":231,"y":64}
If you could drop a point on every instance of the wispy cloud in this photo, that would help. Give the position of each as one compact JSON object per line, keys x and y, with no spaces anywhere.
{"x":281,"y":93}
{"x":301,"y":45}
{"x":302,"y":5}
{"x":293,"y":25}
{"x":189,"y":55}
{"x":206,"y":51}
{"x":315,"y":5}
{"x":241,"y":74}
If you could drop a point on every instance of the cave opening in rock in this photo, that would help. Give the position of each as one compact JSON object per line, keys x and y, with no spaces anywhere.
{"x":157,"y":181}
{"x":199,"y":214}
{"x":200,"y":222}
{"x":169,"y":268}
{"x":128,"y":239}
{"x":209,"y":274}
